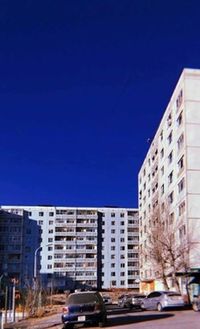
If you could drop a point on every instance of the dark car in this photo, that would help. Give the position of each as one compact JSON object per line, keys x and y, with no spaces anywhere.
{"x":160,"y":300}
{"x":84,"y":307}
{"x":131,"y":300}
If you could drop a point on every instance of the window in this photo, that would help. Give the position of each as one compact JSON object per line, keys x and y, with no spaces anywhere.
{"x":144,"y":186}
{"x":170,"y":157}
{"x":180,"y":142}
{"x":122,"y":265}
{"x":171,"y":197}
{"x":181,"y":164}
{"x":171,"y":218}
{"x":181,"y":208}
{"x":112,"y":265}
{"x":113,"y":222}
{"x":162,"y":170}
{"x":180,"y":119}
{"x":122,"y":273}
{"x":162,"y":153}
{"x":112,"y":214}
{"x":49,"y":266}
{"x":122,"y":283}
{"x":49,"y":257}
{"x":40,"y":222}
{"x":122,"y":239}
{"x":50,"y":231}
{"x":29,"y":213}
{"x":50,"y":239}
{"x":112,"y":256}
{"x":162,"y":189}
{"x":149,"y":177}
{"x":122,"y":248}
{"x":169,"y":138}
{"x":51,"y":214}
{"x":112,"y":247}
{"x":50,"y":248}
{"x":41,"y":214}
{"x":161,"y":135}
{"x":112,"y":239}
{"x":122,"y":223}
{"x":121,"y":231}
{"x":182,"y":232}
{"x":113,"y":283}
{"x":179,"y":100}
{"x":181,"y":185}
{"x":112,"y":231}
{"x":170,"y":177}
{"x":169,"y":120}
{"x":51,"y":222}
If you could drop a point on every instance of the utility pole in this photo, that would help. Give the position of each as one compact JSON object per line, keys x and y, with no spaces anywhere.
{"x":13,"y":298}
{"x":6,"y":304}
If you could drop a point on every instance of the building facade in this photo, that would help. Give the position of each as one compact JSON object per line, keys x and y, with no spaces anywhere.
{"x":170,"y":174}
{"x":85,"y":247}
{"x":19,"y":237}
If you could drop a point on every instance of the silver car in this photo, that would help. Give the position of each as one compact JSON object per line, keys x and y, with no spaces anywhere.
{"x":160,"y":300}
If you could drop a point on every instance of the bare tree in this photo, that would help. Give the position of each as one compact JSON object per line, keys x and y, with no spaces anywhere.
{"x":167,"y":246}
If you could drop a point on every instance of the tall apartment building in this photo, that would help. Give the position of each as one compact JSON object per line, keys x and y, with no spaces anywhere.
{"x":170,"y":174}
{"x":19,"y":237}
{"x":120,"y":239}
{"x":96,"y":247}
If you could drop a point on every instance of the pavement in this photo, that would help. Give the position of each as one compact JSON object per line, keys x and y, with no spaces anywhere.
{"x":51,"y":321}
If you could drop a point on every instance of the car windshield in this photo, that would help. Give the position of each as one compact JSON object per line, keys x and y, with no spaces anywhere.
{"x":82,"y":299}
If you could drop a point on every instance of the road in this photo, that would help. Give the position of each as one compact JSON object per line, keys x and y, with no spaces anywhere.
{"x":122,"y":319}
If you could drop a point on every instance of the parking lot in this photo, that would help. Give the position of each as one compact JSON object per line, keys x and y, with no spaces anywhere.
{"x":173,"y":319}
{"x":121,"y":318}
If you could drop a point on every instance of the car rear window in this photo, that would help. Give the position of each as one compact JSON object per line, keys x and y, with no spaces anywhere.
{"x":82,"y":299}
{"x":173,"y":294}
{"x":138,"y":296}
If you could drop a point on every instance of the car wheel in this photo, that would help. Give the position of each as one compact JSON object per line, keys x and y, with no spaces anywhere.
{"x":196,"y":306}
{"x":103,"y":321}
{"x":142,"y":307}
{"x":159,"y":307}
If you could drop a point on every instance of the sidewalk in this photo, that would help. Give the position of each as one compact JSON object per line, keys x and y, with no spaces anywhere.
{"x":51,"y":321}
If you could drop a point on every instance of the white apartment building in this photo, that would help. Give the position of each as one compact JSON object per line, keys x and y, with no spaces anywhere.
{"x":170,"y":174}
{"x":81,"y":247}
{"x":120,"y":239}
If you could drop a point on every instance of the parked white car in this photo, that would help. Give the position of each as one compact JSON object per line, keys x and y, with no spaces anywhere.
{"x":160,"y":300}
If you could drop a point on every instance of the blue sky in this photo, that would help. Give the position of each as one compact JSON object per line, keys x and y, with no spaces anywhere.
{"x":83,"y":85}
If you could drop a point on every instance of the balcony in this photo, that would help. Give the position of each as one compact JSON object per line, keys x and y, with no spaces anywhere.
{"x":65,"y":233}
{"x":87,"y":234}
{"x":134,"y":286}
{"x":86,"y":225}
{"x":57,"y":224}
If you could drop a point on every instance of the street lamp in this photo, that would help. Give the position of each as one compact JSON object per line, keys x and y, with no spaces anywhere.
{"x":35,"y":260}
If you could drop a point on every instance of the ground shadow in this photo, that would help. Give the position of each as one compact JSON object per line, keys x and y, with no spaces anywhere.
{"x":128,"y":319}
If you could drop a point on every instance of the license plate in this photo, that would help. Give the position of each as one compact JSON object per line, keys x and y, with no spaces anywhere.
{"x":81,"y":318}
